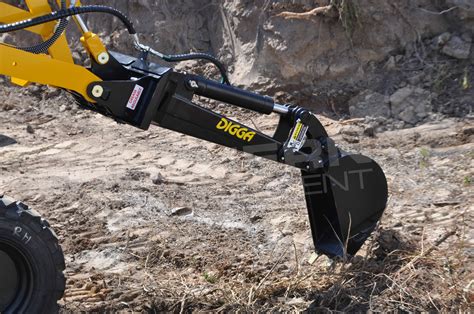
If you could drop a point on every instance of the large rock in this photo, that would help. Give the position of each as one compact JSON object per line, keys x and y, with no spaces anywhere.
{"x":411,"y":104}
{"x":457,"y":48}
{"x":369,"y":103}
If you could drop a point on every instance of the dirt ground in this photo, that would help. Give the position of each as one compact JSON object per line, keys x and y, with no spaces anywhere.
{"x":153,"y":221}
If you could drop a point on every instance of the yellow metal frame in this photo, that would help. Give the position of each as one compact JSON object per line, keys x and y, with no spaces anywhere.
{"x":57,"y":68}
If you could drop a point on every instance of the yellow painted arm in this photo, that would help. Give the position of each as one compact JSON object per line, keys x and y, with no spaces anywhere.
{"x":45,"y":70}
{"x":10,"y":14}
{"x":56,"y":69}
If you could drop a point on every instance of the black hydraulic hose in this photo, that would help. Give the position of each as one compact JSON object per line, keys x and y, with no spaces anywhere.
{"x":200,"y":56}
{"x":66,"y":13}
{"x":44,"y":46}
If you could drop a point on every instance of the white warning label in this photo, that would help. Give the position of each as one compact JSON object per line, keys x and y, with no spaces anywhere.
{"x":135,"y":97}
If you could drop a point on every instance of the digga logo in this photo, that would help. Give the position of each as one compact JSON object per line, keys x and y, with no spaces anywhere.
{"x":235,"y":130}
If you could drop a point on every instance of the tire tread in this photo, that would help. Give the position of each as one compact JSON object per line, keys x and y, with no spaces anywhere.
{"x":18,"y":211}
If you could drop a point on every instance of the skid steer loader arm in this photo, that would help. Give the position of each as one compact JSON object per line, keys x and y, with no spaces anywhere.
{"x":346,"y":194}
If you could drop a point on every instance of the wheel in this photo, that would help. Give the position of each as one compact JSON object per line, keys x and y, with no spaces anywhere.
{"x":31,"y":261}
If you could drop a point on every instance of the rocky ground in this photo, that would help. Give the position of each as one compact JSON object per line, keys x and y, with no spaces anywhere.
{"x":155,"y":220}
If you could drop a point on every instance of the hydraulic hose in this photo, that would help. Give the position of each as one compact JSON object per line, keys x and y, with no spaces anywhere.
{"x":63,"y":13}
{"x":44,"y":46}
{"x":200,"y":56}
{"x":183,"y":57}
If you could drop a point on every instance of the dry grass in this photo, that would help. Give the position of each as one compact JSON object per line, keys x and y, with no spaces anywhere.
{"x":395,"y":274}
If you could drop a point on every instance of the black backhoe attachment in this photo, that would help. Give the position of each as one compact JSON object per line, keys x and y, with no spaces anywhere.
{"x":346,"y":194}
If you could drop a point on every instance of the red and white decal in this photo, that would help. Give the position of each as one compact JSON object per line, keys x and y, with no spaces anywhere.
{"x":135,"y":97}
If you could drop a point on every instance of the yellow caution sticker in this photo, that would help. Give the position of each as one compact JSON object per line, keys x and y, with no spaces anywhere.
{"x":298,"y":136}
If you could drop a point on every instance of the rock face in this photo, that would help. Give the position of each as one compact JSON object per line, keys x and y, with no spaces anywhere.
{"x":263,"y":47}
{"x":369,"y":103}
{"x":411,"y":104}
{"x":464,"y":13}
{"x":304,"y":58}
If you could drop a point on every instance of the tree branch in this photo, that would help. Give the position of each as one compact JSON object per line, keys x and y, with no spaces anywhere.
{"x":328,"y":10}
{"x":439,"y":13}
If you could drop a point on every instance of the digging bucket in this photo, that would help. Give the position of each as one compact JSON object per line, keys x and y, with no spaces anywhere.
{"x":345,"y":201}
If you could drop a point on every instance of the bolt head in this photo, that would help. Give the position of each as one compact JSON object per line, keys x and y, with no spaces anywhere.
{"x":103,"y":58}
{"x":193,"y":84}
{"x":97,"y":91}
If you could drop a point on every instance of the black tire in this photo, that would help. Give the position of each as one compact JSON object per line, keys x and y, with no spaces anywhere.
{"x":31,"y":261}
